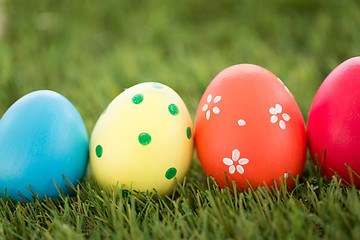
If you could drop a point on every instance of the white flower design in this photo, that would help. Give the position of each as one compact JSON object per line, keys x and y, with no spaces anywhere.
{"x":241,"y":122}
{"x":286,"y":175}
{"x":206,"y":107}
{"x":236,"y":159}
{"x":274,"y":118}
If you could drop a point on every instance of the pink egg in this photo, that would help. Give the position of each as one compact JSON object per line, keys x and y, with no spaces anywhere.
{"x":334,"y":123}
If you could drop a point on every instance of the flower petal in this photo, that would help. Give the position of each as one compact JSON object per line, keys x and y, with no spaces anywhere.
{"x":235,"y":155}
{"x":208,"y":114}
{"x":205,"y":107}
{"x":217,"y":99}
{"x":286,"y":175}
{"x":282,"y":124}
{"x":209,"y":98}
{"x":216,"y":110}
{"x":278,"y":108}
{"x":273,"y":119}
{"x":286,"y":117}
{"x":281,"y":81}
{"x":231,"y":169}
{"x":272,"y":110}
{"x":241,"y":122}
{"x":243,"y":161}
{"x":240,"y":169}
{"x":228,"y":161}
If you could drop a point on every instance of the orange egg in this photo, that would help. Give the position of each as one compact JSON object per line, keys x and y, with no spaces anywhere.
{"x":249,"y":129}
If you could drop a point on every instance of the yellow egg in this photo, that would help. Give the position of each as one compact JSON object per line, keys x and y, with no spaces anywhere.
{"x":143,"y":141}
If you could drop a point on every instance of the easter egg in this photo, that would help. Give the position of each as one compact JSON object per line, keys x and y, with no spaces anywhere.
{"x":143,"y":141}
{"x":43,"y":145}
{"x":249,"y":129}
{"x":334,"y":123}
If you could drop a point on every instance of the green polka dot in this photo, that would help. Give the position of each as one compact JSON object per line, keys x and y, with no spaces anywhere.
{"x":138,"y":98}
{"x":173,"y":109}
{"x":158,"y":85}
{"x":125,"y":192}
{"x":99,"y":151}
{"x":170,"y":173}
{"x":144,"y":139}
{"x":188,"y":132}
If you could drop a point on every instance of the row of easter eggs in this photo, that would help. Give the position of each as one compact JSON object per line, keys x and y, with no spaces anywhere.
{"x":248,"y":129}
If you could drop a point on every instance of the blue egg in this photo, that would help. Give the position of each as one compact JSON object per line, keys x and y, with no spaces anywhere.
{"x":42,"y":138}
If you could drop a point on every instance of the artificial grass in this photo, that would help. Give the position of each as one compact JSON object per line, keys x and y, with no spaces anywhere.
{"x":195,"y":210}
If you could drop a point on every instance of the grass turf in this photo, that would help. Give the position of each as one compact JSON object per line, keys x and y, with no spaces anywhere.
{"x":90,"y":51}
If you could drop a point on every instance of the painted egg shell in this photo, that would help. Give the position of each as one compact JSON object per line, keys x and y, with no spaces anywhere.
{"x":42,"y":138}
{"x":248,"y":128}
{"x":143,"y":140}
{"x":334,"y":123}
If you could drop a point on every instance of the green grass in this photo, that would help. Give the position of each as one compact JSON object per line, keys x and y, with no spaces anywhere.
{"x":90,"y":51}
{"x":313,"y":210}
